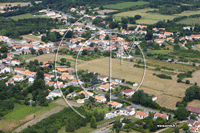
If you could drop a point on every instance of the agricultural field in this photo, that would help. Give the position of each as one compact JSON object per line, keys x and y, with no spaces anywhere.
{"x":190,"y":21}
{"x":194,"y":103}
{"x":22,"y":114}
{"x":164,"y":89}
{"x":106,"y":10}
{"x":32,"y":37}
{"x":151,"y":18}
{"x":124,"y":5}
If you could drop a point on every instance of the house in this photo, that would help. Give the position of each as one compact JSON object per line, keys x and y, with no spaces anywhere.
{"x":67,"y":76}
{"x":128,"y":111}
{"x":195,"y":36}
{"x":193,"y":110}
{"x":51,"y":13}
{"x":49,"y":83}
{"x":20,"y":70}
{"x":70,"y":95}
{"x":193,"y":129}
{"x":48,"y":77}
{"x":80,"y":101}
{"x":105,"y":87}
{"x":168,"y":33}
{"x":5,"y":60}
{"x":156,"y":115}
{"x":118,"y":80}
{"x":141,"y":115}
{"x":10,"y":55}
{"x":9,"y":82}
{"x":114,"y":104}
{"x":73,"y":9}
{"x":31,"y":80}
{"x":154,"y":98}
{"x":191,"y":123}
{"x":76,"y":82}
{"x":162,"y":40}
{"x":18,"y":78}
{"x":128,"y":92}
{"x":102,"y":78}
{"x":100,"y":99}
{"x":61,"y":70}
{"x":54,"y":93}
{"x":86,"y":93}
{"x":15,"y":62}
{"x":5,"y":69}
{"x":92,"y":71}
{"x":30,"y":74}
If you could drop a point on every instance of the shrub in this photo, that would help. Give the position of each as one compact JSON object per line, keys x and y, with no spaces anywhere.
{"x":187,"y":81}
{"x":164,"y":76}
{"x":179,"y":80}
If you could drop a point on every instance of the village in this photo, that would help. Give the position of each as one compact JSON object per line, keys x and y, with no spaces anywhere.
{"x":101,"y":40}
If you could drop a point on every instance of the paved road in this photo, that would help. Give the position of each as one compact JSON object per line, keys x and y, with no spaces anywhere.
{"x":38,"y":119}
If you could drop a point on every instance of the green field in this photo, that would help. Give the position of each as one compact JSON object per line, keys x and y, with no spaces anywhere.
{"x":190,"y":21}
{"x":151,"y":18}
{"x":24,"y":16}
{"x":20,"y":111}
{"x":159,"y":51}
{"x":124,"y":5}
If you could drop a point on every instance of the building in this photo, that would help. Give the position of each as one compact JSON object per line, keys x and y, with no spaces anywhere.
{"x":154,"y":98}
{"x":102,"y":78}
{"x":86,"y":93}
{"x":156,"y":115}
{"x":61,"y":70}
{"x":9,"y":82}
{"x":100,"y":99}
{"x":70,"y":95}
{"x":195,"y":36}
{"x":193,"y":110}
{"x":162,"y":40}
{"x":51,"y":13}
{"x":15,"y":62}
{"x":128,"y":92}
{"x":114,"y":104}
{"x":18,"y":78}
{"x":5,"y":69}
{"x":118,"y":80}
{"x":65,"y":76}
{"x":105,"y":87}
{"x":54,"y":93}
{"x":128,"y":111}
{"x":80,"y":101}
{"x":48,"y":77}
{"x":168,"y":33}
{"x":191,"y":123}
{"x":31,"y":80}
{"x":141,"y":115}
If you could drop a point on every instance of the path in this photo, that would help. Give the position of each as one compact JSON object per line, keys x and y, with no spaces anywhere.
{"x":38,"y":119}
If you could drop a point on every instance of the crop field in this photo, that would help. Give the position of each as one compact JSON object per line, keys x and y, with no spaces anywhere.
{"x":164,"y":89}
{"x":22,"y":114}
{"x":151,"y":18}
{"x":194,"y":103}
{"x":190,"y":21}
{"x":124,"y":5}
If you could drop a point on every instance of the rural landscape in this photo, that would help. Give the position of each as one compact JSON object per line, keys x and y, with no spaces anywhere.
{"x":99,"y":66}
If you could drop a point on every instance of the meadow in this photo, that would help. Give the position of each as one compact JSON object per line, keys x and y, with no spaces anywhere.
{"x":17,"y":3}
{"x":190,"y":21}
{"x":105,"y":10}
{"x":23,"y":16}
{"x":164,"y":89}
{"x":124,"y":5}
{"x":22,"y":114}
{"x":151,"y":18}
{"x":32,"y":37}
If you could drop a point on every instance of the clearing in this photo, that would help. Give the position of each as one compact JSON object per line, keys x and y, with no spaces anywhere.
{"x":106,"y":10}
{"x":124,"y":5}
{"x":164,"y":89}
{"x":23,"y":16}
{"x":151,"y":18}
{"x":190,"y":21}
{"x":32,"y":37}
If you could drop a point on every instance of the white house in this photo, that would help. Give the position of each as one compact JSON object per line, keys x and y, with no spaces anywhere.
{"x":102,"y":78}
{"x":48,"y":77}
{"x":51,"y":13}
{"x":31,"y":80}
{"x":9,"y":82}
{"x":15,"y":62}
{"x":128,"y":92}
{"x":80,"y":101}
{"x":86,"y":93}
{"x":141,"y":115}
{"x":114,"y":104}
{"x":5,"y":69}
{"x":162,"y":40}
{"x":156,"y":115}
{"x":154,"y":98}
{"x":105,"y":87}
{"x":18,"y":78}
{"x":100,"y":99}
{"x":118,"y":80}
{"x":54,"y":93}
{"x":128,"y":111}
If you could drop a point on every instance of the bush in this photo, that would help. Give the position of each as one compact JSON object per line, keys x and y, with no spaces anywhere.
{"x":164,"y":76}
{"x":179,"y":80}
{"x":187,"y":81}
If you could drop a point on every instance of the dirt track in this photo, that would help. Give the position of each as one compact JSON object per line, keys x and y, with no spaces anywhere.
{"x":38,"y":119}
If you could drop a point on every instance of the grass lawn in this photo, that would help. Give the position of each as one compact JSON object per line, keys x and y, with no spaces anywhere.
{"x":151,"y":18}
{"x":124,"y":5}
{"x":106,"y":10}
{"x":100,"y":109}
{"x":190,"y":21}
{"x":23,"y":16}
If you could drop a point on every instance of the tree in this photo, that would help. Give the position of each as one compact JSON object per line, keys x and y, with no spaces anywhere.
{"x":101,"y":8}
{"x":93,"y":123}
{"x":70,"y":126}
{"x":68,"y":64}
{"x":92,"y":100}
{"x":94,"y":80}
{"x":149,"y":35}
{"x":40,"y":74}
{"x":187,"y":81}
{"x":33,"y":51}
{"x":176,"y":130}
{"x":137,"y":17}
{"x":107,"y":37}
{"x":181,"y":113}
{"x":185,"y":127}
{"x":193,"y":116}
{"x":176,"y":47}
{"x":63,"y":61}
{"x":40,"y":51}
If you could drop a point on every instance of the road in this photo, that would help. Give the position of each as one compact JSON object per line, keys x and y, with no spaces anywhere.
{"x":38,"y":119}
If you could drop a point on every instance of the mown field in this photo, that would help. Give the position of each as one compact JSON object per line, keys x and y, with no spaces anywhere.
{"x":190,"y":21}
{"x":22,"y":114}
{"x":32,"y":37}
{"x":105,"y":10}
{"x":124,"y":5}
{"x":164,"y":89}
{"x":151,"y":18}
{"x":24,"y":16}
